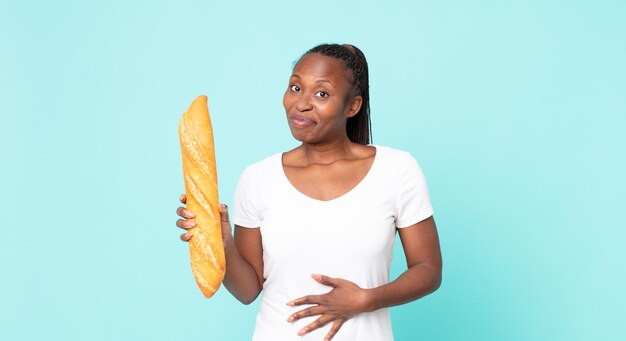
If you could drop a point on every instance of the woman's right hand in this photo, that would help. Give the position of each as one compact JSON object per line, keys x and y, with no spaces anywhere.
{"x":184,"y":223}
{"x":187,"y":224}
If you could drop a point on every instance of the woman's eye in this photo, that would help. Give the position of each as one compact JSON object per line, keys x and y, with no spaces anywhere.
{"x":322,"y":94}
{"x":295,"y":88}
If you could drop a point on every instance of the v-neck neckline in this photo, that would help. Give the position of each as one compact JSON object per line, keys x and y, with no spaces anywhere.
{"x":348,"y":193}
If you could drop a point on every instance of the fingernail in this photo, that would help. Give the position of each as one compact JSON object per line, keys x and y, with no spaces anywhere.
{"x":290,"y":319}
{"x":291,"y":303}
{"x":302,"y":332}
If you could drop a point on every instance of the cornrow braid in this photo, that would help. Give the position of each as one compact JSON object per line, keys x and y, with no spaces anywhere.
{"x":358,"y":127}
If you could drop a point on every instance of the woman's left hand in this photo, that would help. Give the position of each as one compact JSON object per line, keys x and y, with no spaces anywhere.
{"x":345,"y":300}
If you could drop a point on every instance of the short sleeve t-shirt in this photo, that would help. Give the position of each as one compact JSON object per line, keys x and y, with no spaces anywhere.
{"x":350,"y":237}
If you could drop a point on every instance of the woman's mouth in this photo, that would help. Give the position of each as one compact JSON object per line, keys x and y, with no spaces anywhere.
{"x":302,"y":121}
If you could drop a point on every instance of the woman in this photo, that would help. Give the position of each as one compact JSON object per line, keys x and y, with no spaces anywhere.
{"x":314,"y":226}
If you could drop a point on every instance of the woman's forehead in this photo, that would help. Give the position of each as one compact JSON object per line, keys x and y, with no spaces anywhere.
{"x":318,"y":65}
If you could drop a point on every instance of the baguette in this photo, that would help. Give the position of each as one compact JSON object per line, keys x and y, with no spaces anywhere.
{"x":200,"y":176}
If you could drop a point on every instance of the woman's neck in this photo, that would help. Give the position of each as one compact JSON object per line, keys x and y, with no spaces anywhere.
{"x":326,"y":153}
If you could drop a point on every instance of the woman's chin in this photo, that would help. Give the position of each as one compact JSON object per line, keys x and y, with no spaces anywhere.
{"x":300,"y":138}
{"x":299,"y":135}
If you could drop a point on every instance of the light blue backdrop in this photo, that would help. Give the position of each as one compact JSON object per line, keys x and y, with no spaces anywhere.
{"x":514,"y":109}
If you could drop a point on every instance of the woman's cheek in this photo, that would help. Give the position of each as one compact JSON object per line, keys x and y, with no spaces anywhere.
{"x":286,"y":100}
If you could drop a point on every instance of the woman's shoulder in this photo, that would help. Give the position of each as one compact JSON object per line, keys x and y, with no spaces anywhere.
{"x":263,"y":166}
{"x":398,"y":164}
{"x":393,"y":155}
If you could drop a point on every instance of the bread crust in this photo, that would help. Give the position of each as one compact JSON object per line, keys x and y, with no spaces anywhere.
{"x":200,"y":176}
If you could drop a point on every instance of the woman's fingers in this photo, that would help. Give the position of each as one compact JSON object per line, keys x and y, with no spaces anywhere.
{"x":224,"y":213}
{"x":186,"y":236}
{"x":185,"y":224}
{"x":185,"y":213}
{"x":320,"y":322}
{"x":334,"y":329}
{"x":309,"y":299}
{"x":226,"y":229}
{"x":310,"y":311}
{"x":323,"y":279}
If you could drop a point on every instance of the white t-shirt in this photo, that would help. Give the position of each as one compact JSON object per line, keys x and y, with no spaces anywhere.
{"x":350,"y":237}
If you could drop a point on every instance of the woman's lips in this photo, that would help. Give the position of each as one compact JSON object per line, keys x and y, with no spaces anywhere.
{"x":302,"y":121}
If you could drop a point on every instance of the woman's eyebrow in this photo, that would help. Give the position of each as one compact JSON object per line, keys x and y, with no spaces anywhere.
{"x":317,"y":81}
{"x":325,"y":81}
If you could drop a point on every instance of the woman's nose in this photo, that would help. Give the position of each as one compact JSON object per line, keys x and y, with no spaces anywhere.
{"x":303,"y":104}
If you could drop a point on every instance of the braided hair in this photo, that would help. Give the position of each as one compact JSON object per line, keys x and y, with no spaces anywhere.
{"x":358,"y":127}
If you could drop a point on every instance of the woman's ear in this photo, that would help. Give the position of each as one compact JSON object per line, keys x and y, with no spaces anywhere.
{"x":355,"y":106}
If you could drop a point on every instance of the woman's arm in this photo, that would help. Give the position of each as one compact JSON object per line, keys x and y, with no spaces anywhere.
{"x":423,"y":276}
{"x":243,"y":252}
{"x":244,"y":263}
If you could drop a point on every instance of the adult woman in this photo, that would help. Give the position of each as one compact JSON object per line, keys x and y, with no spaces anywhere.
{"x":314,"y":226}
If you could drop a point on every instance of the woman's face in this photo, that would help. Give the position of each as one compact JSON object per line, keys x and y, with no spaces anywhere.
{"x":319,"y":99}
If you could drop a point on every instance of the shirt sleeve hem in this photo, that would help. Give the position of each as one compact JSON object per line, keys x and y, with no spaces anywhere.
{"x":420,"y":216}
{"x":249,"y":224}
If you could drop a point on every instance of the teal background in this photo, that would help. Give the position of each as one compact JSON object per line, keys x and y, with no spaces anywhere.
{"x":514,"y":109}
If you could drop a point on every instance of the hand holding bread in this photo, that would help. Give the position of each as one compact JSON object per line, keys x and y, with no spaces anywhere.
{"x":188,"y":224}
